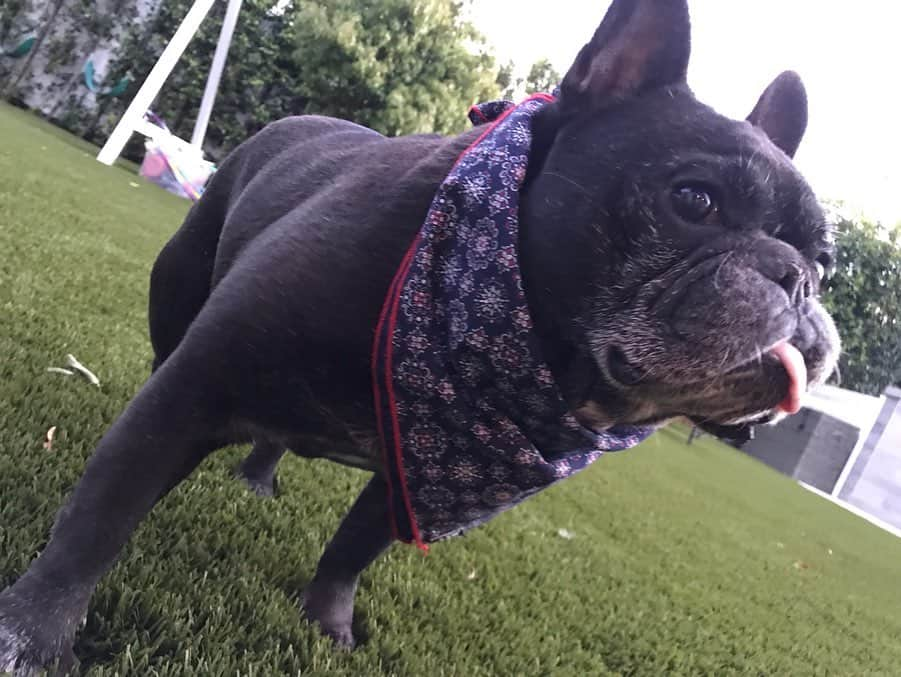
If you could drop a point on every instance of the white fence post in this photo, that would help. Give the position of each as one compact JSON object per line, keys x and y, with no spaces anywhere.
{"x":212,"y":81}
{"x":134,"y":114}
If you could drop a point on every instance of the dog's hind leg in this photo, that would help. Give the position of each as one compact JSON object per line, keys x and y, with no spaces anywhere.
{"x":180,"y":283}
{"x":258,"y":469}
{"x":364,"y":534}
{"x":166,"y":431}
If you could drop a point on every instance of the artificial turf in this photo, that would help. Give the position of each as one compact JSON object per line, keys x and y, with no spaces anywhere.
{"x":673,"y":559}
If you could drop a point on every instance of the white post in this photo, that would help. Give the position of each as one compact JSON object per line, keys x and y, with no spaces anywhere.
{"x":212,"y":81}
{"x":853,"y":456}
{"x":154,"y":82}
{"x":889,"y":401}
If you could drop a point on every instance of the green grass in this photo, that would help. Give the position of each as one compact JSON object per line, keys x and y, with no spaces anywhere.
{"x":685,"y":560}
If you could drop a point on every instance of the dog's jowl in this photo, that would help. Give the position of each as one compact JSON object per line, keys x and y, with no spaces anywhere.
{"x":469,"y":318}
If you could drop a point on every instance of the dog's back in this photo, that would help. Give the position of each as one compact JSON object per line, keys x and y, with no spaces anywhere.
{"x":274,"y":180}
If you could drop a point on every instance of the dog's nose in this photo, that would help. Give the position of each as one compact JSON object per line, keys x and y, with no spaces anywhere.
{"x":783,"y":265}
{"x":796,"y":283}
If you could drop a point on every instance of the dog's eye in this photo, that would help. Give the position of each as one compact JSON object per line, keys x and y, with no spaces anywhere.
{"x":694,"y":203}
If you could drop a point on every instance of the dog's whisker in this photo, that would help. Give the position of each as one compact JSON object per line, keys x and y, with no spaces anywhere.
{"x":572,"y":182}
{"x":716,"y":275}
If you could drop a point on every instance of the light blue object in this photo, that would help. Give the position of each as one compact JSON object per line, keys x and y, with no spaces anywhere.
{"x":21,"y":49}
{"x":116,"y":90}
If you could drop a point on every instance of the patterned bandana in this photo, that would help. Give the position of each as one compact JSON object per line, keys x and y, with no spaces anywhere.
{"x":469,"y":415}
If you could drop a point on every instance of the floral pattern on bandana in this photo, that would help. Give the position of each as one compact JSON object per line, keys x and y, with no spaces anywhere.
{"x":470,"y":418}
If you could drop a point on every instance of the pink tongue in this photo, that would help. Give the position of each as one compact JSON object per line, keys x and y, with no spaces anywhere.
{"x":793,"y":362}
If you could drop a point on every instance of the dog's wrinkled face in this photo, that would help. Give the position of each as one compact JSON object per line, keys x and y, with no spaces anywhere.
{"x":673,"y":257}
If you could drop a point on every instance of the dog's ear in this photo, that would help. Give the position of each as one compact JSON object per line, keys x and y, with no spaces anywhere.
{"x":640,"y":45}
{"x":781,"y":112}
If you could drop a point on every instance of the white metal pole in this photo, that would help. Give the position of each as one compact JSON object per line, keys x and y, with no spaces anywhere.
{"x":858,"y":449}
{"x":154,"y":82}
{"x":212,"y":81}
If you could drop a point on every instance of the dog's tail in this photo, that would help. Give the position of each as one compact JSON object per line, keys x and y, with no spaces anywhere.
{"x":181,"y":278}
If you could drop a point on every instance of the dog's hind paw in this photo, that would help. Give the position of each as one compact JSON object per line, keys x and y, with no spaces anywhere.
{"x":258,"y":470}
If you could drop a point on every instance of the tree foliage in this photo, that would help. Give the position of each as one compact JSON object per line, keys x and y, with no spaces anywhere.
{"x":864,"y":297}
{"x":398,"y":66}
{"x":506,"y":81}
{"x":542,"y":77}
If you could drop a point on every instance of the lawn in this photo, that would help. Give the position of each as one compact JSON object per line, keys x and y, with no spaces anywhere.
{"x":679,"y":559}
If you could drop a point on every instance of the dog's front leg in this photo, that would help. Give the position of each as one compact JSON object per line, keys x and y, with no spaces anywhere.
{"x":364,"y":534}
{"x":159,"y":439}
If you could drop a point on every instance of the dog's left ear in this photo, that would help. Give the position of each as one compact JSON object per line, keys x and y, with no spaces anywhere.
{"x":640,"y":45}
{"x":781,"y":112}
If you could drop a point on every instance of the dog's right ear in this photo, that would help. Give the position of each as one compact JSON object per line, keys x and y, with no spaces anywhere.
{"x":640,"y":45}
{"x":781,"y":112}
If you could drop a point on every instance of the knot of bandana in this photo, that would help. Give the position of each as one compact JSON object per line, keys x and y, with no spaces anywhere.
{"x":470,"y":418}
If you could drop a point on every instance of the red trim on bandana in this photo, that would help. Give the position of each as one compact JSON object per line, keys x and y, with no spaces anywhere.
{"x":391,"y":302}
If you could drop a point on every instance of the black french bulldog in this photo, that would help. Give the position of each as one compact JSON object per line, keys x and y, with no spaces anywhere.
{"x":671,"y":259}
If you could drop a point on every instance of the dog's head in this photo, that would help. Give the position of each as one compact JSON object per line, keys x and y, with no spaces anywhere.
{"x":673,"y":257}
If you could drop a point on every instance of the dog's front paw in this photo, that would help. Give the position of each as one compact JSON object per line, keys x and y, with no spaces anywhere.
{"x":331,"y":605}
{"x":266,"y":487}
{"x":29,"y":648}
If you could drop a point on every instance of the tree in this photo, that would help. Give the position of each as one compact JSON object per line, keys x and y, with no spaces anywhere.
{"x":398,"y":66}
{"x":505,"y":81}
{"x":542,"y":77}
{"x":864,"y":297}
